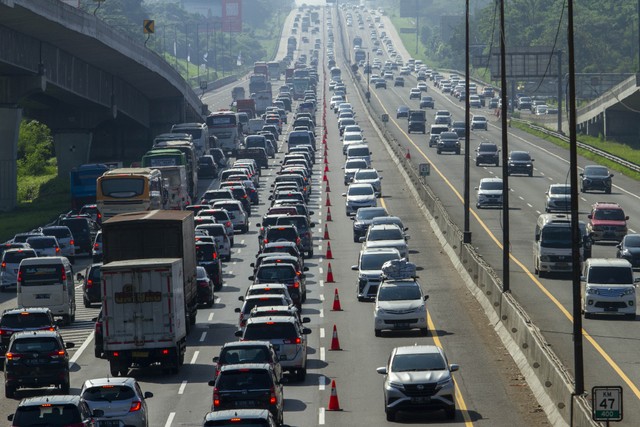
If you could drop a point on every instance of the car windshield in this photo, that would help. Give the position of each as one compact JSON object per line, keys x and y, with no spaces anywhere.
{"x":520,"y":156}
{"x":479,"y":119}
{"x":391,"y":233}
{"x":17,"y":256}
{"x":491,"y":185}
{"x":366,"y":175}
{"x":418,"y":362}
{"x":47,"y":415}
{"x":244,"y":380}
{"x":596,"y":171}
{"x":556,"y":237}
{"x":25,"y":321}
{"x":35,"y":345}
{"x":245,"y":354}
{"x":488,"y":148}
{"x":366,"y":213}
{"x":284,"y":233}
{"x":610,"y":275}
{"x":41,"y":242}
{"x":560,"y":189}
{"x":360,"y":191}
{"x":352,"y":137}
{"x":609,"y":214}
{"x":270,"y":331}
{"x":375,"y":261}
{"x":632,"y":241}
{"x":108,"y":393}
{"x":201,"y":273}
{"x":356,"y":164}
{"x":398,"y":293}
{"x":280,"y":273}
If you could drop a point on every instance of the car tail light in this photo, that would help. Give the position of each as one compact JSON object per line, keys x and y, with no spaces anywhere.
{"x":3,"y":266}
{"x":19,"y":276}
{"x":297,"y":240}
{"x":57,"y":249}
{"x":165,"y":351}
{"x":89,"y":283}
{"x":265,"y":241}
{"x":216,"y":397}
{"x":272,"y":399}
{"x":72,"y":242}
{"x":59,"y":354}
{"x":215,"y":256}
{"x":227,"y":224}
{"x":12,"y":356}
{"x":96,"y":246}
{"x":136,"y":405}
{"x":63,"y":276}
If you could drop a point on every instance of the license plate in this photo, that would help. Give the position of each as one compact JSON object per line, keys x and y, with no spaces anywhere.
{"x":243,"y":403}
{"x":420,"y":399}
{"x":43,"y":296}
{"x":108,"y":423}
{"x":402,"y":325}
{"x":611,"y":309}
{"x":140,"y":354}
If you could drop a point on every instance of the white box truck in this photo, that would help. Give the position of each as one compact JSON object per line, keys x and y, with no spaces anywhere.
{"x":144,"y":321}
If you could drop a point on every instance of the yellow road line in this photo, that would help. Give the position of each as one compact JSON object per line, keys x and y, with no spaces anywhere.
{"x":535,"y":280}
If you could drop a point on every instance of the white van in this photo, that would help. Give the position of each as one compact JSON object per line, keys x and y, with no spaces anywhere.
{"x":359,"y":151}
{"x":48,"y":282}
{"x":608,"y":287}
{"x":199,"y":133}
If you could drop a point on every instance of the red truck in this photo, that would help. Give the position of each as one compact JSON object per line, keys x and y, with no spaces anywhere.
{"x":247,"y":106}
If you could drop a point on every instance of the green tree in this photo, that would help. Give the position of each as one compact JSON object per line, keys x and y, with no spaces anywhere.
{"x":35,"y":148}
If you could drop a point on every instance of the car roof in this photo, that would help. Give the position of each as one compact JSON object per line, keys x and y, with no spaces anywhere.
{"x":97,"y":382}
{"x":40,"y":333}
{"x":272,"y":319}
{"x":257,"y":414}
{"x":18,"y":310}
{"x":491,"y":180}
{"x":380,"y":251}
{"x":245,"y":366}
{"x":384,"y":227}
{"x":55,"y":399}
{"x":248,"y":343}
{"x":418,"y":349}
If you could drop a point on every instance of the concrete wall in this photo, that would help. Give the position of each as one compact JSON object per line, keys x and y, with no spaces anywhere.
{"x":9,"y":129}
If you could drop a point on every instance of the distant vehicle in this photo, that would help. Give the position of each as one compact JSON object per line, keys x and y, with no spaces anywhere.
{"x":595,"y":177}
{"x":128,"y":190}
{"x":83,"y":183}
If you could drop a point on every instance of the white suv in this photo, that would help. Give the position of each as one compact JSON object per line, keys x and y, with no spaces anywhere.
{"x":608,"y":287}
{"x":400,"y":305}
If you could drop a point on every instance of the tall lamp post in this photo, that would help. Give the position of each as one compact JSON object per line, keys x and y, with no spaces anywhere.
{"x":368,"y":94}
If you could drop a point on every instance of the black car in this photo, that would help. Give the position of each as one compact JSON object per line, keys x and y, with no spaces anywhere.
{"x":448,"y":141}
{"x":427,"y":102}
{"x":83,"y":230}
{"x":380,"y":83}
{"x":629,"y":249}
{"x":595,"y":177}
{"x":207,"y":257}
{"x":362,"y":220}
{"x":55,"y":410}
{"x":402,"y":111}
{"x":207,"y":167}
{"x":24,"y":319}
{"x":240,"y":194}
{"x":36,"y":359}
{"x":520,"y":162}
{"x":459,"y":127}
{"x":487,"y":153}
{"x":248,"y":386}
{"x":91,"y":292}
{"x":205,"y":287}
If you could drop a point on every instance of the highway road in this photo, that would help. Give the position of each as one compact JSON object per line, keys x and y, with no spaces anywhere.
{"x":490,"y":391}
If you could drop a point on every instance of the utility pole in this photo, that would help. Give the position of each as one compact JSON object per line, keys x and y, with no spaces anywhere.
{"x":467,"y":131}
{"x":506,"y":245}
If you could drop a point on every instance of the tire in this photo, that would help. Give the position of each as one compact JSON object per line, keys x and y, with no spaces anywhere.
{"x":310,"y":253}
{"x":531,"y":173}
{"x":588,"y":315}
{"x":66,"y":320}
{"x":86,"y":302}
{"x":97,"y":353}
{"x":377,"y":332}
{"x":477,"y":163}
{"x":65,"y":387}
{"x":114,"y":369}
{"x":450,"y":412}
{"x":607,"y":191}
{"x":439,"y":152}
{"x":301,"y":374}
{"x":124,"y":371}
{"x":424,"y":332}
{"x":9,"y":391}
{"x":245,"y":229}
{"x":391,"y":415}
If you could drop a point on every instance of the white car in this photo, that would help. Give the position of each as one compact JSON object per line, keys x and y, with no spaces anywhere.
{"x":386,"y":236}
{"x":369,"y":176}
{"x":369,"y":270}
{"x":489,"y":193}
{"x":359,"y":196}
{"x":351,"y":166}
{"x":349,"y":138}
{"x":240,"y":219}
{"x":479,"y":122}
{"x":558,"y":198}
{"x":400,"y":305}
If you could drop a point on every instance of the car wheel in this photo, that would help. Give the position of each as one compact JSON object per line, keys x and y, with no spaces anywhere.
{"x":65,"y":387}
{"x":391,"y":415}
{"x":310,"y":253}
{"x":97,"y":353}
{"x":477,"y":163}
{"x":531,"y":173}
{"x":66,"y":319}
{"x":450,"y":412}
{"x":245,"y":229}
{"x":301,"y":374}
{"x":87,"y":303}
{"x":497,"y":163}
{"x":439,"y":152}
{"x":424,"y":332}
{"x":114,"y":369}
{"x":377,"y":332}
{"x":607,"y":191}
{"x":588,"y":315}
{"x":9,"y":391}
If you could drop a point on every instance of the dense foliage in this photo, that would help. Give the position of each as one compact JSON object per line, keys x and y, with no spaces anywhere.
{"x":35,"y":148}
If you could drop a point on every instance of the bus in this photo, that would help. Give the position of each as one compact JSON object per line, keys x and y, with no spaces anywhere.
{"x":83,"y":184}
{"x":274,"y":70}
{"x":130,"y":190}
{"x":225,"y":127}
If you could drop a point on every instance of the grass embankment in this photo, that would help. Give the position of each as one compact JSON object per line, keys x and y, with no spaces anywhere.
{"x":40,"y":200}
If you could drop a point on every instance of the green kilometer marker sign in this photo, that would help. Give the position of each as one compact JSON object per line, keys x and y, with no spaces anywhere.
{"x":606,"y":403}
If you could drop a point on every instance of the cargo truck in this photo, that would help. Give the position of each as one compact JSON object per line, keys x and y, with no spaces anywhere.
{"x":156,"y":234}
{"x":143,"y":318}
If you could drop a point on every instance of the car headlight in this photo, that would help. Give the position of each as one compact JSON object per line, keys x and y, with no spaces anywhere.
{"x":512,"y":164}
{"x":592,"y":291}
{"x":444,"y":382}
{"x":625,"y":252}
{"x":396,"y":385}
{"x":379,"y":310}
{"x":629,"y":291}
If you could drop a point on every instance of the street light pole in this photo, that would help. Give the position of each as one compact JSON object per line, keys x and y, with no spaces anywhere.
{"x":467,"y":131}
{"x":368,"y":79}
{"x":506,"y":244}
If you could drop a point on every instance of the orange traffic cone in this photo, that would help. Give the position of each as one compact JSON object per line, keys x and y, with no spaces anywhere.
{"x":326,"y":160}
{"x":324,"y":178}
{"x":335,"y":343}
{"x":326,"y":168}
{"x":329,"y":254}
{"x":334,"y":405}
{"x":326,"y":233}
{"x":328,"y":201}
{"x":408,"y":155}
{"x":329,"y":274}
{"x":329,"y":214}
{"x":336,"y":302}
{"x":328,"y":188}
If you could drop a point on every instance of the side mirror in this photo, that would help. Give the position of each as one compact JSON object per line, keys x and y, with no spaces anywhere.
{"x":148,"y":394}
{"x":252,"y":278}
{"x":626,"y":218}
{"x":237,"y":310}
{"x":311,"y":213}
{"x":215,"y":359}
{"x":93,"y":319}
{"x":454,"y":367}
{"x":381,"y":178}
{"x":406,"y":229}
{"x":407,"y":237}
{"x":354,"y":267}
{"x":238,"y":333}
{"x":426,"y":297}
{"x":611,"y":176}
{"x":241,"y":298}
{"x":79,"y":276}
{"x":382,"y":370}
{"x":253,"y":264}
{"x":583,"y":278}
{"x":306,"y":331}
{"x":258,"y":225}
{"x":212,"y":383}
{"x":590,"y":216}
{"x":313,"y":224}
{"x":362,"y":239}
{"x":533,"y":160}
{"x":582,"y":174}
{"x":305,"y":269}
{"x":306,"y":320}
{"x":69,"y":345}
{"x":344,"y":194}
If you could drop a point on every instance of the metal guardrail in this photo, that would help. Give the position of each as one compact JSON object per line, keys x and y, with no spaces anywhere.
{"x":619,"y":160}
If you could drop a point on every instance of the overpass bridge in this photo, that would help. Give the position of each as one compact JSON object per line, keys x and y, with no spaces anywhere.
{"x":103,"y":95}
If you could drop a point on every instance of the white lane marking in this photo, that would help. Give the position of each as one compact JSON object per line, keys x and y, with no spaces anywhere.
{"x":322,"y":353}
{"x":322,"y":312}
{"x":242,"y":242}
{"x":321,"y":283}
{"x":319,"y":229}
{"x":529,"y":204}
{"x":321,"y":383}
{"x":195,"y":357}
{"x":239,"y":250}
{"x":210,"y":317}
{"x":632,"y":231}
{"x":322,"y":297}
{"x":521,"y":198}
{"x":320,"y":270}
{"x":320,"y":249}
{"x":235,"y":262}
{"x":82,"y":348}
{"x":321,"y":332}
{"x":172,"y":415}
{"x":583,"y":199}
{"x":182,"y":387}
{"x":320,"y":416}
{"x":203,"y":336}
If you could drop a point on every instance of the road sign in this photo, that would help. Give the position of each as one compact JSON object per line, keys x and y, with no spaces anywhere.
{"x":384,"y":118}
{"x":149,"y":26}
{"x":424,"y":169}
{"x":606,"y":403}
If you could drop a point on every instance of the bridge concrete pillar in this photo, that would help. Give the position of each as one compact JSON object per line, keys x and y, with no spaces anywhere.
{"x":72,"y":149}
{"x":10,"y":118}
